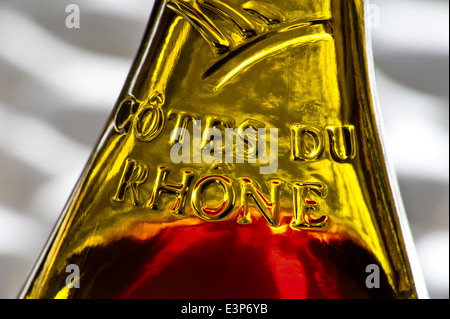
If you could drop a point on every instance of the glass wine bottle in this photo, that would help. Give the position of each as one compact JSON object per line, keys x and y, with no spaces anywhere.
{"x":243,"y":159}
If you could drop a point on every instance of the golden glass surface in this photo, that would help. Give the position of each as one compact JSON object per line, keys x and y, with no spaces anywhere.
{"x":292,"y":198}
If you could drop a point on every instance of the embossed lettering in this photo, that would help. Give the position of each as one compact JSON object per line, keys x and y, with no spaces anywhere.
{"x":147,"y":120}
{"x":179,"y":190}
{"x":270,"y":157}
{"x":222,"y":190}
{"x":184,"y":145}
{"x":342,"y":143}
{"x":206,"y":212}
{"x":248,"y":144}
{"x":268,"y":208}
{"x":250,"y":137}
{"x":212,"y":124}
{"x":123,"y":120}
{"x":307,"y":143}
{"x":181,"y":125}
{"x":245,"y":137}
{"x":305,"y":206}
{"x":134,"y":174}
{"x":178,"y":135}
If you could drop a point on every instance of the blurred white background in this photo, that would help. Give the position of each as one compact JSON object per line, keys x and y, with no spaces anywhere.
{"x":58,"y":86}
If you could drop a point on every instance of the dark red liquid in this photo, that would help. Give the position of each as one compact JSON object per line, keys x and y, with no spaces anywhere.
{"x":227,"y":260}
